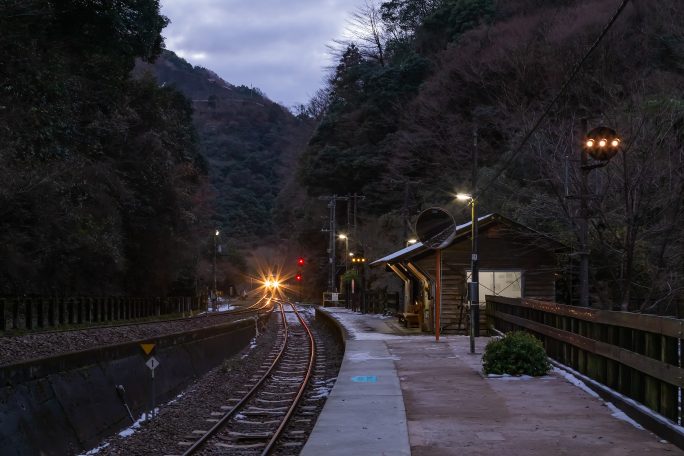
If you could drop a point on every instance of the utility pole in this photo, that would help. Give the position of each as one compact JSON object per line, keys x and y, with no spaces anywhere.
{"x":332,"y":238}
{"x":332,"y":205}
{"x":474,"y":260}
{"x":584,"y":220}
{"x":214,"y":266}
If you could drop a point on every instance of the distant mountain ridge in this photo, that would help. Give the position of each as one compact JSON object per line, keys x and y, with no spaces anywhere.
{"x":250,"y":143}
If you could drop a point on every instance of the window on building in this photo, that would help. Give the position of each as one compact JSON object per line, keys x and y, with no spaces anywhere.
{"x":498,"y":283}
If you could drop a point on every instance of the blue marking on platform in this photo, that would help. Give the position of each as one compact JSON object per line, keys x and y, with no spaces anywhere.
{"x":365,"y":379}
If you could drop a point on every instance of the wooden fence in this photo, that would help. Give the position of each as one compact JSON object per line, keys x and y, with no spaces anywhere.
{"x":366,"y":302}
{"x":634,"y":354}
{"x":22,"y":314}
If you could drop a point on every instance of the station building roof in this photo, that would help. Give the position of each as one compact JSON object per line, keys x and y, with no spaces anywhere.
{"x":464,"y":231}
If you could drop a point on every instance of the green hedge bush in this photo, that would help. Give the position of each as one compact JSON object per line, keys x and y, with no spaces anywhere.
{"x":517,"y":353}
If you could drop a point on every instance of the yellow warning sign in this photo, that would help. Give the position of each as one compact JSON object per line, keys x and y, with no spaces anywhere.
{"x":147,"y":348}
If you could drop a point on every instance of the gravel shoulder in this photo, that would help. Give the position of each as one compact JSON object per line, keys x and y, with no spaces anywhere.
{"x":190,"y":409}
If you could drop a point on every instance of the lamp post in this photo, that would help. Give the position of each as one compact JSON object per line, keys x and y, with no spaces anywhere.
{"x":601,"y":144}
{"x":345,"y":238}
{"x":214,"y":265}
{"x":343,"y":286}
{"x":474,"y":287}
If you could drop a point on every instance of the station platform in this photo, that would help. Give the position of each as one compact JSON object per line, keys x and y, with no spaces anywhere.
{"x":399,"y":393}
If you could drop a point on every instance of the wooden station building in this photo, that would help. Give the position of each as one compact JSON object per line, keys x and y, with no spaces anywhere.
{"x":515,"y":261}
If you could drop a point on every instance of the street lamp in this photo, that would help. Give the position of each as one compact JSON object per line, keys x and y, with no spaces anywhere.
{"x":601,"y":143}
{"x":474,"y":290}
{"x":411,"y":241}
{"x":345,"y":238}
{"x":214,"y":265}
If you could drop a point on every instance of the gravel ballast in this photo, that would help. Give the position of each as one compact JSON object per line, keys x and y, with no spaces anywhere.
{"x":189,"y":411}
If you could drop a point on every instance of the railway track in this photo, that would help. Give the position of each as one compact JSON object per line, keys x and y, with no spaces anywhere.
{"x":271,"y":414}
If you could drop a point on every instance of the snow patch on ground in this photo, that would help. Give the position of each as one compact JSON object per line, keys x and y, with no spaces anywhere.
{"x":133,"y":428}
{"x":616,"y":412}
{"x":252,"y":346}
{"x":364,"y":356}
{"x":508,"y":377}
{"x":129,"y":431}
{"x":95,"y":450}
{"x":358,"y":325}
{"x":175,"y":399}
{"x":323,"y":391}
{"x":225,"y":307}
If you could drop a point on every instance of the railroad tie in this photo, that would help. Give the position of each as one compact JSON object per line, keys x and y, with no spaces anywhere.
{"x":262,"y":413}
{"x":251,"y":436}
{"x":239,"y":447}
{"x":276,"y":393}
{"x":257,"y":423}
{"x":277,"y":401}
{"x":263,"y":409}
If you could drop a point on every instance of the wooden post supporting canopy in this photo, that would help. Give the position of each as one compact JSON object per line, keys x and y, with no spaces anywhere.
{"x":438,"y":291}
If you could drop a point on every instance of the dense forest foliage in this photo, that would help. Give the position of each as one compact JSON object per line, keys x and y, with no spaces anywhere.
{"x":118,"y":160}
{"x":250,"y":145}
{"x":423,"y":81}
{"x":101,"y":184}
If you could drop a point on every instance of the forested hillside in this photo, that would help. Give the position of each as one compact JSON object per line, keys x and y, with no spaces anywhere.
{"x":426,"y":80}
{"x":249,"y":142}
{"x":250,"y":145}
{"x":100,"y":180}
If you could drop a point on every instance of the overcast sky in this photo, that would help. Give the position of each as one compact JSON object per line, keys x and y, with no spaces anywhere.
{"x":278,"y":46}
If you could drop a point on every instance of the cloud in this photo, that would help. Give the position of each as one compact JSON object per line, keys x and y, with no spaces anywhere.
{"x":278,"y":46}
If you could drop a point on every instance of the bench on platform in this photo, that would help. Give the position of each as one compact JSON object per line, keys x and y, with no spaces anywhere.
{"x":410,"y":318}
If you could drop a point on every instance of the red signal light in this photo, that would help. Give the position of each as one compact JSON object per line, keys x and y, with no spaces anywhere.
{"x":300,"y":261}
{"x":298,"y":277}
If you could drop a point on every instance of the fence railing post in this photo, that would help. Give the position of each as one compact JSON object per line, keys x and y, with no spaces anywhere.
{"x":71,"y":308}
{"x":3,"y":314}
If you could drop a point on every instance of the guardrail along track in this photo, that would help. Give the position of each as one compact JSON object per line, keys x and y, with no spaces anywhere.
{"x":255,"y":423}
{"x":262,"y":303}
{"x":19,"y":349}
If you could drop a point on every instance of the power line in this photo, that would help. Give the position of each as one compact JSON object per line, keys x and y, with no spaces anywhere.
{"x":546,"y":111}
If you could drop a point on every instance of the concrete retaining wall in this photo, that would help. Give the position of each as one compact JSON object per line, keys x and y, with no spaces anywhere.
{"x":335,"y":325}
{"x":68,"y":404}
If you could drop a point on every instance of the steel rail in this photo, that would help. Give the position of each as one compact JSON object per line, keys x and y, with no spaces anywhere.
{"x":312,"y":358}
{"x":222,"y":421}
